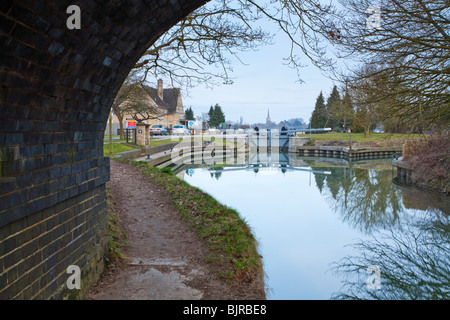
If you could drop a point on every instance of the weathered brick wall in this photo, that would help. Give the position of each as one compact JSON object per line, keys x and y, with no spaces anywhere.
{"x":56,"y":89}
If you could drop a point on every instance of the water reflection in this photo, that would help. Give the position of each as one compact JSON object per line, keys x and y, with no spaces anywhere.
{"x":264,"y":164}
{"x":365,"y":199}
{"x":307,"y":212}
{"x":414,"y":262}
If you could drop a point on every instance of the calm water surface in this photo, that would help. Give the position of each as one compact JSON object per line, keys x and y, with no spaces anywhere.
{"x":326,"y":227}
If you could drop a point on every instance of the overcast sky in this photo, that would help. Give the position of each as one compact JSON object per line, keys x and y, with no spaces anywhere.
{"x":265,"y":83}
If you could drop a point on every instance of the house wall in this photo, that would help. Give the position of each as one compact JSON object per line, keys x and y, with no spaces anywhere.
{"x":165,"y":118}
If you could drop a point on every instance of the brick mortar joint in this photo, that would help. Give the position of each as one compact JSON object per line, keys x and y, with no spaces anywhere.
{"x":103,"y":243}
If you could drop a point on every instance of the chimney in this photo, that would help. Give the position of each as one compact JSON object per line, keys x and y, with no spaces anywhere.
{"x":160,"y":89}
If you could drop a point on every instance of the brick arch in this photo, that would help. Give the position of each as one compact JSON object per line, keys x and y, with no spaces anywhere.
{"x":56,"y":89}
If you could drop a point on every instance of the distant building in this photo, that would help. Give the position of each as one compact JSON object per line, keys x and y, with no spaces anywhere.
{"x":269,"y":123}
{"x":168,"y":102}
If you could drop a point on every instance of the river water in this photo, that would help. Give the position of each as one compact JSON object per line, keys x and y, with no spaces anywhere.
{"x":333,"y":229}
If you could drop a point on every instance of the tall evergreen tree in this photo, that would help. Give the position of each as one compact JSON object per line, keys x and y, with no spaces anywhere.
{"x":318,"y":118}
{"x":189,"y":114}
{"x":211,"y":116}
{"x":219,"y":114}
{"x":341,"y":114}
{"x":216,"y":116}
{"x":332,"y":108}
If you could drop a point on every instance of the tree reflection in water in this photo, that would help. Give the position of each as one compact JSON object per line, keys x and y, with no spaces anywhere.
{"x":414,"y":262}
{"x":365,"y":199}
{"x":412,"y":251}
{"x":406,"y":231}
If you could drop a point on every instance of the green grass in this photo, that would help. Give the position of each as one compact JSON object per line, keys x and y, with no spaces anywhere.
{"x":116,"y":148}
{"x":359,"y":137}
{"x":116,"y":236}
{"x":154,"y":143}
{"x":119,"y":146}
{"x":106,"y":137}
{"x":233,"y":248}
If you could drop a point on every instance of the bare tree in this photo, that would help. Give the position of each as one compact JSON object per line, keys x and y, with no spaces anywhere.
{"x":365,"y":100}
{"x":220,"y":30}
{"x":133,"y":100}
{"x":413,"y":261}
{"x":206,"y":38}
{"x":409,"y":44}
{"x":139,"y":105}
{"x":304,"y":23}
{"x":342,"y":112}
{"x":121,"y":96}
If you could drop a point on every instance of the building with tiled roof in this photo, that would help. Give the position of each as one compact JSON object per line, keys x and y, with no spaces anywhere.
{"x":168,"y":104}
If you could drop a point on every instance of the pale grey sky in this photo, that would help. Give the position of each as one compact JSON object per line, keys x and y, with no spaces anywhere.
{"x":264,"y":83}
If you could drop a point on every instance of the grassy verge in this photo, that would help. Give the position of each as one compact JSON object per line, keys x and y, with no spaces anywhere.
{"x":116,"y":148}
{"x":154,"y":143}
{"x":233,"y":248}
{"x":116,"y":236}
{"x":359,"y":137}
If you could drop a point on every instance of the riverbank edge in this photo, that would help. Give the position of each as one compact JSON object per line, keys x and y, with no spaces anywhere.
{"x":411,"y":180}
{"x":234,"y":255}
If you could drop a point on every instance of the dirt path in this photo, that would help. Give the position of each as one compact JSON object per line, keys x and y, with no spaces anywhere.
{"x":164,"y":257}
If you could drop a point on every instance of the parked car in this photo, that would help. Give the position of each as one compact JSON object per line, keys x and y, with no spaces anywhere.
{"x":158,"y":130}
{"x":180,"y":129}
{"x":213,"y":131}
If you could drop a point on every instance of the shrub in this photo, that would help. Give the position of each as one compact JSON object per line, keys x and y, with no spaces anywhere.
{"x":430,"y":161}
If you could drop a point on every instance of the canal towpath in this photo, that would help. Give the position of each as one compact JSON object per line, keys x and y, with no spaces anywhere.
{"x":164,"y":258}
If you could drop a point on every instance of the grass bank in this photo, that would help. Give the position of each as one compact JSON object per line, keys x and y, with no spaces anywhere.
{"x":116,"y":148}
{"x":116,"y":236}
{"x":376,"y":139}
{"x":233,"y":248}
{"x":121,"y":146}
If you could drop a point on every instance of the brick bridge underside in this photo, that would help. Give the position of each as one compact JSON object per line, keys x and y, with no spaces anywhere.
{"x":56,"y":89}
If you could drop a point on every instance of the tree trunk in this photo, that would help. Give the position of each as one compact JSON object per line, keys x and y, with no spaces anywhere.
{"x":121,"y":131}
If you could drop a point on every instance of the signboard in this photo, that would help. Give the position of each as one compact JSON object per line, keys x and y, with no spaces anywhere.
{"x":131,"y":124}
{"x":190,"y":123}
